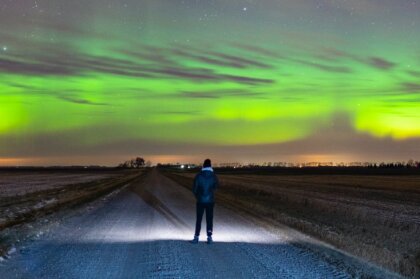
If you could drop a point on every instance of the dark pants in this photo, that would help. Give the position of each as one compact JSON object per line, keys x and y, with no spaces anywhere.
{"x":208,"y":207}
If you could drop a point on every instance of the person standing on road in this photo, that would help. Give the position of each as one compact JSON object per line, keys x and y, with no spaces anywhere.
{"x":205,"y":183}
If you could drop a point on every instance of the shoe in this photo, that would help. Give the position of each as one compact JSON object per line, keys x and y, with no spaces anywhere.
{"x":195,"y":240}
{"x":209,"y":240}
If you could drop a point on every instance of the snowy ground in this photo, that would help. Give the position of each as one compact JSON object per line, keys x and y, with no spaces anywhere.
{"x":143,"y":232}
{"x":20,"y":183}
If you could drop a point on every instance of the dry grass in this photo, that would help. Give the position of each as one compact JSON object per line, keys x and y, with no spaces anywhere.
{"x":374,"y":217}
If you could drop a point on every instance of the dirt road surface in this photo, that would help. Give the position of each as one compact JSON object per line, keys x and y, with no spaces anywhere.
{"x":143,"y":232}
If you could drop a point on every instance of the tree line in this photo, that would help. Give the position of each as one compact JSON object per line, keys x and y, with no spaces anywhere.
{"x":134,"y":163}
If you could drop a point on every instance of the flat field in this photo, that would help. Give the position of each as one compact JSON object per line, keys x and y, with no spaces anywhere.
{"x":372,"y":216}
{"x":16,"y":182}
{"x":26,"y":195}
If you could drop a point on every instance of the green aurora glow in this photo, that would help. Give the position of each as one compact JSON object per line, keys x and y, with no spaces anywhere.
{"x":206,"y":72}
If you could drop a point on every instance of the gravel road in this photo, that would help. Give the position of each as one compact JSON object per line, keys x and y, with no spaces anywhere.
{"x":143,"y":232}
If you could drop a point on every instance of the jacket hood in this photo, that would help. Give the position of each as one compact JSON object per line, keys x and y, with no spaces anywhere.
{"x":206,"y":173}
{"x":207,"y":169}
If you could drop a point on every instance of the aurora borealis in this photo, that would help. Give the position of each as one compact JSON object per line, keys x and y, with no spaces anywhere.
{"x":290,"y":80}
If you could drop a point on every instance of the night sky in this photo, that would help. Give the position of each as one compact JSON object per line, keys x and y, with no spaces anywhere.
{"x":100,"y":81}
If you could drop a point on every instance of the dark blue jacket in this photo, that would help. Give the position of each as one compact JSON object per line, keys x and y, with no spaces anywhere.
{"x":205,"y":183}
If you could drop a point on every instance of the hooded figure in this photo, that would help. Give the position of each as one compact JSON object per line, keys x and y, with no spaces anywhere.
{"x":205,"y":183}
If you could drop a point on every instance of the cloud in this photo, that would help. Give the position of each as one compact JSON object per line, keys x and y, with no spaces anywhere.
{"x":325,"y":68}
{"x":219,"y":59}
{"x":414,"y":73}
{"x":410,"y":87}
{"x":80,"y":101}
{"x":176,"y":112}
{"x":192,"y":74}
{"x":22,"y":86}
{"x":333,"y":54}
{"x":150,"y":54}
{"x":256,"y":50}
{"x":208,"y":60}
{"x":150,"y":63}
{"x":339,"y":140}
{"x":248,"y":80}
{"x":380,"y":63}
{"x":332,"y":69}
{"x":33,"y":68}
{"x":217,"y":94}
{"x":198,"y":95}
{"x":245,"y":62}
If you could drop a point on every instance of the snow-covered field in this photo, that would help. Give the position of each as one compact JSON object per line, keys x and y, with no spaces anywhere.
{"x":13,"y":183}
{"x":26,"y":196}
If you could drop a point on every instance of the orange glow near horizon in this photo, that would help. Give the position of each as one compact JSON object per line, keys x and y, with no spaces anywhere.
{"x":15,"y":161}
{"x":172,"y":159}
{"x":89,"y":160}
{"x":325,"y":158}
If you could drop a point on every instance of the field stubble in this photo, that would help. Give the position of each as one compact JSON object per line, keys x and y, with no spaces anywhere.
{"x":376,"y":218}
{"x":20,"y":203}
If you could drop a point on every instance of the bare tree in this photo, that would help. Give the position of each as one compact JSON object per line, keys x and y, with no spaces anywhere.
{"x":139,"y":162}
{"x":135,"y":163}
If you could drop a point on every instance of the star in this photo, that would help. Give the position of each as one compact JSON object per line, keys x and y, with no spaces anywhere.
{"x":244,"y":9}
{"x":5,"y":48}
